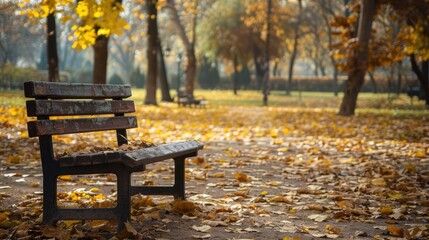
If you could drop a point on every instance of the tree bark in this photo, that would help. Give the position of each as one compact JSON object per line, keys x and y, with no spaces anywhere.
{"x":295,"y":50}
{"x":266,"y":86}
{"x":162,"y":76}
{"x":373,"y":82}
{"x":358,"y":63}
{"x":422,"y":75}
{"x":235,"y":78}
{"x":101,"y":54}
{"x":191,"y":65}
{"x":328,"y":9}
{"x":399,"y":78}
{"x":152,"y":32}
{"x":52,"y":52}
{"x":258,"y":61}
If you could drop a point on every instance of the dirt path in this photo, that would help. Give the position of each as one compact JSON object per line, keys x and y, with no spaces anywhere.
{"x":299,"y":188}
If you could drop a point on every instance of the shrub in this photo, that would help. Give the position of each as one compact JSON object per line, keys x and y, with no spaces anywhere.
{"x":12,"y":77}
{"x":137,"y":78}
{"x":115,"y":79}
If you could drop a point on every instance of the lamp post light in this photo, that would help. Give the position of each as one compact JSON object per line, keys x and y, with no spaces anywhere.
{"x":179,"y":62}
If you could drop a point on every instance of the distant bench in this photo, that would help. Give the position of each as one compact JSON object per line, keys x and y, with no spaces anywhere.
{"x":415,"y":91}
{"x":185,"y":99}
{"x":53,"y":99}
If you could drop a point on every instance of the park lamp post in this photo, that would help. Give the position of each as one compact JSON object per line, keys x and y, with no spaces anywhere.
{"x":179,"y":62}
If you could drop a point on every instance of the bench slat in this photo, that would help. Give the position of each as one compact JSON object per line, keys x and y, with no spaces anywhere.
{"x":161,"y":152}
{"x":75,"y":90}
{"x":105,"y":157}
{"x":68,"y":108}
{"x":79,"y":125}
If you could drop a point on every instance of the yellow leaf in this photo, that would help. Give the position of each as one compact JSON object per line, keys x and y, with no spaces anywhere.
{"x":35,"y":184}
{"x":410,"y":168}
{"x":420,"y":153}
{"x":263,"y":193}
{"x":100,"y":196}
{"x":386,"y":210}
{"x":395,"y":195}
{"x":94,"y":190}
{"x":379,"y":182}
{"x":283,"y":149}
{"x":65,"y":177}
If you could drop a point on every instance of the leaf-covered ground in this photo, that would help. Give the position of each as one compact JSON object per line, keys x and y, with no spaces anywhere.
{"x":273,"y":173}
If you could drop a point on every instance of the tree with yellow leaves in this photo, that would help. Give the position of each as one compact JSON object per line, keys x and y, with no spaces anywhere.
{"x":93,"y":23}
{"x":363,"y":48}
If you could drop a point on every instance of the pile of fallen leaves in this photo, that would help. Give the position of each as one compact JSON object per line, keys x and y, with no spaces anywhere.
{"x":270,"y":173}
{"x":130,"y":146}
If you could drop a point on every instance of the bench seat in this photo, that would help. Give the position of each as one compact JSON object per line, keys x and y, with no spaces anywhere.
{"x":133,"y":158}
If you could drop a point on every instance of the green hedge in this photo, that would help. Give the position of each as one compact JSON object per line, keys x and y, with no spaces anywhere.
{"x":12,"y":77}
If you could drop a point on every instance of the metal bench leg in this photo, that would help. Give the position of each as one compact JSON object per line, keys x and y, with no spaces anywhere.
{"x":49,"y":198}
{"x":179,"y":178}
{"x":123,"y":197}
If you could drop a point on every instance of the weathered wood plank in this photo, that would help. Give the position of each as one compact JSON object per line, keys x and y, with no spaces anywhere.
{"x":161,"y":152}
{"x":68,"y":108}
{"x":79,"y":125}
{"x":105,"y":157}
{"x":75,"y":90}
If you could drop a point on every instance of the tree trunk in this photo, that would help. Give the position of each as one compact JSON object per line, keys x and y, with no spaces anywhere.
{"x":190,"y":71}
{"x":294,"y":51}
{"x":335,"y":76}
{"x":358,"y":63}
{"x":333,"y":62}
{"x":191,"y":65}
{"x":276,"y":65}
{"x":373,"y":82}
{"x":152,"y":33}
{"x":259,"y":69}
{"x":162,"y":76}
{"x":99,"y":72}
{"x":235,"y":78}
{"x":423,"y":76}
{"x":399,"y":78}
{"x":266,"y":86}
{"x":52,"y":52}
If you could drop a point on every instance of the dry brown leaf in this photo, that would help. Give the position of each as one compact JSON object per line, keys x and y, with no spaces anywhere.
{"x":318,"y":217}
{"x":56,"y":232}
{"x":203,"y":228}
{"x":241,"y":177}
{"x":395,"y":231}
{"x":184,"y":207}
{"x":215,"y":223}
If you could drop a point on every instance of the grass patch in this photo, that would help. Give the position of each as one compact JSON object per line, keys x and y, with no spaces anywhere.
{"x":381,"y":103}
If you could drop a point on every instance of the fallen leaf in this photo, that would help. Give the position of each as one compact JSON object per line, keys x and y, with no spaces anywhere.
{"x":395,"y":231}
{"x":215,"y":223}
{"x":241,"y":177}
{"x":203,"y":228}
{"x":379,"y":182}
{"x":318,"y":217}
{"x":202,"y":236}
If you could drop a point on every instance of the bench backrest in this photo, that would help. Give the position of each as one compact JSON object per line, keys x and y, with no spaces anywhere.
{"x":71,"y":99}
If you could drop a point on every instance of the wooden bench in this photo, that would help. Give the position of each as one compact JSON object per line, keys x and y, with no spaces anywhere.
{"x":185,"y":99}
{"x":67,"y":99}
